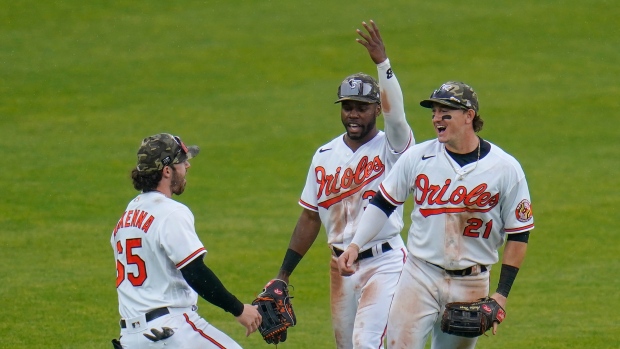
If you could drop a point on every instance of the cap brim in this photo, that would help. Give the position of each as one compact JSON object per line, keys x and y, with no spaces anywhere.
{"x":192,"y":151}
{"x":357,"y":98}
{"x":428,"y":103}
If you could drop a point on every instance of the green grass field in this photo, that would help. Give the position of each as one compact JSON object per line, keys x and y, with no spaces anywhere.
{"x":253,"y":83}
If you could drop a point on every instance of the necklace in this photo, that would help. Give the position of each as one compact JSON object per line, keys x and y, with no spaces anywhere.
{"x":461,"y":175}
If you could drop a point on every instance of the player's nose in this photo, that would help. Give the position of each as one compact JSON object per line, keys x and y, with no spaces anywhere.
{"x":437,"y":116}
{"x":354,"y":114}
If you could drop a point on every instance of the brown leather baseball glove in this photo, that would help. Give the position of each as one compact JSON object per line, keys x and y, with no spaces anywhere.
{"x":471,"y":319}
{"x":274,"y":305}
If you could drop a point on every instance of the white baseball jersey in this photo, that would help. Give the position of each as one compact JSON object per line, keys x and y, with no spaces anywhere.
{"x":457,"y":223}
{"x":341,"y":183}
{"x":339,"y":186}
{"x":154,"y":238}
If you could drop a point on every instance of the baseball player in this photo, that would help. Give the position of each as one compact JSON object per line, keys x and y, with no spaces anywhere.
{"x":469,"y":198}
{"x":343,"y":177}
{"x":159,"y":260}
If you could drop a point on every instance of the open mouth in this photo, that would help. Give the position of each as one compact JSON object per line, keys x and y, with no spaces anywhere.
{"x":354,"y":127}
{"x":440,"y":129}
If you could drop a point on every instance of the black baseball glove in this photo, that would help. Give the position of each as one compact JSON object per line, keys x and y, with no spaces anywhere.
{"x":274,"y":305}
{"x":471,"y":319}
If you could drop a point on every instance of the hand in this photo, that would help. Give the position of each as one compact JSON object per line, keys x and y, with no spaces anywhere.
{"x":347,"y":259}
{"x":373,"y":42}
{"x":250,"y":318}
{"x":501,"y":300}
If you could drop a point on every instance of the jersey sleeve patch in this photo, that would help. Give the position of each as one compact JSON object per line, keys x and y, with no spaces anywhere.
{"x":191,"y":257}
{"x":523,"y":212}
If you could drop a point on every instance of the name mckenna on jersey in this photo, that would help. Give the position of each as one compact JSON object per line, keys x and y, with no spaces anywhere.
{"x":329,"y":184}
{"x":135,"y":218}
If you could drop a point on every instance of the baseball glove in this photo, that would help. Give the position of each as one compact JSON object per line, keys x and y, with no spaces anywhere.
{"x":471,"y":319}
{"x":274,"y":305}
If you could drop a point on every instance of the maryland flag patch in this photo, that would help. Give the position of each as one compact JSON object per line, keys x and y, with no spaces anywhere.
{"x":524,"y":211}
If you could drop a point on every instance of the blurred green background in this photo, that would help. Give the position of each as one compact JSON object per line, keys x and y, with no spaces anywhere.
{"x":253,"y":83}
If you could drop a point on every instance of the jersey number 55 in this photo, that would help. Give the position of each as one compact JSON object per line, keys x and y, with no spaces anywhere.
{"x":136,"y":279}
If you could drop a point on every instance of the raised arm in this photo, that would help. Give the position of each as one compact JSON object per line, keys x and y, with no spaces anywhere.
{"x":398,"y":131}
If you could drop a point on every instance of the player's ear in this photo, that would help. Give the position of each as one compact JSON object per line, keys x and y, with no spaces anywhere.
{"x":471,"y":114}
{"x":166,"y":171}
{"x":378,"y":109}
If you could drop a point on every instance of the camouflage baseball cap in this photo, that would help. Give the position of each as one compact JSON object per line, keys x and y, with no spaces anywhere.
{"x":359,"y":87}
{"x":161,"y":150}
{"x":453,"y":94}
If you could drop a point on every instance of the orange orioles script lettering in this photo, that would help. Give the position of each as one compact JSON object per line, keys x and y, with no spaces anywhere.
{"x":341,"y":183}
{"x":135,"y":218}
{"x":477,"y":200}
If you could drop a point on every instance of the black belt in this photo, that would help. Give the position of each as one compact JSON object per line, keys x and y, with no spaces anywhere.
{"x":151,"y":315}
{"x":364,"y":254}
{"x":462,"y":272}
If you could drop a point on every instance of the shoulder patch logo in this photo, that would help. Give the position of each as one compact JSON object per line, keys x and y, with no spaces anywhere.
{"x":523,"y":212}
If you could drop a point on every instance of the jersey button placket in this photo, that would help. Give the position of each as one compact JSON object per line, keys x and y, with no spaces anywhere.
{"x":348,"y":230}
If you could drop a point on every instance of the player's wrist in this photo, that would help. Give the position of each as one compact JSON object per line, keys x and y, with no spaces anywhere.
{"x":385,"y":64}
{"x":291,"y":259}
{"x":500,"y":298}
{"x":354,"y":246}
{"x":506,"y":278}
{"x":237,"y":309}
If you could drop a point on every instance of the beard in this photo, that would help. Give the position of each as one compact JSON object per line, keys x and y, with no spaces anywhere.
{"x":177,"y":184}
{"x":364,"y":132}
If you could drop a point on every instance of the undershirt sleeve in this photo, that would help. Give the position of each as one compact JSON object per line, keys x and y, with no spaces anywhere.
{"x":200,"y":278}
{"x":373,"y":220}
{"x":397,"y":130}
{"x":383,"y":204}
